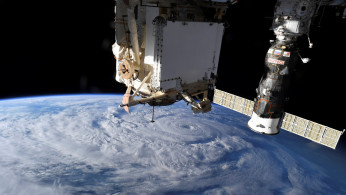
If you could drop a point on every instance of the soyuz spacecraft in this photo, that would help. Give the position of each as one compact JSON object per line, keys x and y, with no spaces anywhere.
{"x":168,"y":50}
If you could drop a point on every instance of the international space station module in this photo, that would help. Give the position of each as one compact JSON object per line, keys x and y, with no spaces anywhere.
{"x":168,"y":50}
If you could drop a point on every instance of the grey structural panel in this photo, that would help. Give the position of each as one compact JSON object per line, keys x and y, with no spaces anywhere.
{"x":308,"y":129}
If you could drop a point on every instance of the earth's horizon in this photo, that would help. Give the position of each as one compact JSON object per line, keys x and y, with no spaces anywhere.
{"x":87,"y":144}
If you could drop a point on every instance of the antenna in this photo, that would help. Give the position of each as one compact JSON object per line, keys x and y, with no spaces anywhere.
{"x":152,"y":117}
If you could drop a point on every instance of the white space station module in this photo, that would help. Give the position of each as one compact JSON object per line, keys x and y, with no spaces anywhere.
{"x":168,"y":50}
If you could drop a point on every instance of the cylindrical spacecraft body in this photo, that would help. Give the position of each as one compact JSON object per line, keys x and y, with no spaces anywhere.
{"x":272,"y":92}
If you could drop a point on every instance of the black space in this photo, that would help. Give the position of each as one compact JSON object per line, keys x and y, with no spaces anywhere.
{"x":59,"y":47}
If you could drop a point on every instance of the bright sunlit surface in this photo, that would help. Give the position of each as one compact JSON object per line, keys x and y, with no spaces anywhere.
{"x":87,"y":144}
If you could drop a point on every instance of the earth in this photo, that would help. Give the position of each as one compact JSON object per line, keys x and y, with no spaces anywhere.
{"x":87,"y":144}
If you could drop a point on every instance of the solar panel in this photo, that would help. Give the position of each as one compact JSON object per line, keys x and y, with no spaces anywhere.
{"x":316,"y":132}
{"x":233,"y":102}
{"x":313,"y":131}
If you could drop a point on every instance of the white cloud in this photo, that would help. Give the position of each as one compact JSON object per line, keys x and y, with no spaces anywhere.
{"x":87,"y":143}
